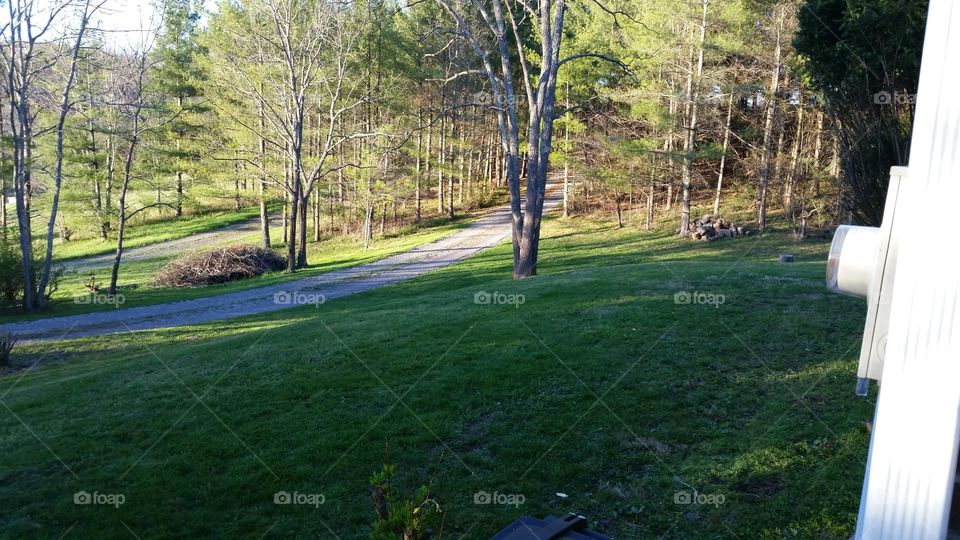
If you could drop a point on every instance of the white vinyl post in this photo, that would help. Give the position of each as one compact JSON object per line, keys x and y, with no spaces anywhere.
{"x":911,"y":464}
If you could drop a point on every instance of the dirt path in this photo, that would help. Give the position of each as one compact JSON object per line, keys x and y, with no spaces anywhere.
{"x":209,"y":239}
{"x":484,"y":233}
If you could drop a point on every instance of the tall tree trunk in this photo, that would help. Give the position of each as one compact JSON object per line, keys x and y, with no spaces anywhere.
{"x":316,"y":216}
{"x":817,"y":144}
{"x":441,"y":162}
{"x":617,"y":199}
{"x":835,"y":154}
{"x":96,"y":187}
{"x":653,"y":180}
{"x":3,"y":182}
{"x":107,"y":213}
{"x":179,"y":201}
{"x":418,"y":176}
{"x":367,"y":219}
{"x":768,"y":129}
{"x":723,"y":156}
{"x":65,"y":106}
{"x":668,"y":148}
{"x":792,"y":175}
{"x":262,"y":183}
{"x":450,"y":176}
{"x":693,"y":92}
{"x":566,"y":163}
{"x":383,"y":219}
{"x":302,"y":233}
{"x":236,"y":190}
{"x":264,"y":215}
{"x":293,"y":205}
{"x":285,"y":212}
{"x":122,"y":219}
{"x":460,"y":167}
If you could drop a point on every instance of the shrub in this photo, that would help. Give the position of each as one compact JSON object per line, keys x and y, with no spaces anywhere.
{"x":220,"y":266}
{"x":11,"y":272}
{"x":399,"y":517}
{"x":7,"y":343}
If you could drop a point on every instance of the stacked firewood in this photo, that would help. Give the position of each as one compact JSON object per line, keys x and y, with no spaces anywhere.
{"x":708,"y":228}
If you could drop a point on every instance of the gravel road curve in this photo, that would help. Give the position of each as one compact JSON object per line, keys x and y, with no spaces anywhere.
{"x":209,"y":239}
{"x":484,"y":233}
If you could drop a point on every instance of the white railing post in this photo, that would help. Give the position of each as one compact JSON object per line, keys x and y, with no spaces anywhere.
{"x":912,"y":460}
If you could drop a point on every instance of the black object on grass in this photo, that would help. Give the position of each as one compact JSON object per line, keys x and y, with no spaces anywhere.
{"x":570,"y":527}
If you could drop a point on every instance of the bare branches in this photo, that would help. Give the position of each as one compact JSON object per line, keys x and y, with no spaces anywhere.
{"x":599,"y":56}
{"x":459,"y":74}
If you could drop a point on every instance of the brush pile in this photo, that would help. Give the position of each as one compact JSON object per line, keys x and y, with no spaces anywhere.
{"x":220,"y":266}
{"x":709,"y":229}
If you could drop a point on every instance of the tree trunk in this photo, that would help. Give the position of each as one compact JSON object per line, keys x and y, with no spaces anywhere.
{"x":383,"y":219}
{"x":316,"y":217}
{"x":367,"y":223}
{"x":440,"y":164}
{"x":792,"y":177}
{"x":179,"y":202}
{"x":668,"y":148}
{"x":693,"y":92}
{"x":264,"y":215}
{"x":302,"y":225}
{"x":566,"y":164}
{"x":262,"y":183}
{"x":285,"y":213}
{"x":649,"y":217}
{"x":768,"y":131}
{"x":461,"y":151}
{"x":107,"y":212}
{"x":450,"y":180}
{"x":835,"y":157}
{"x":3,"y":182}
{"x":817,"y":143}
{"x":65,"y":106}
{"x":122,"y":219}
{"x":419,"y":171}
{"x":723,"y":156}
{"x":293,"y":206}
{"x":617,"y":198}
{"x":541,"y":98}
{"x":96,"y":188}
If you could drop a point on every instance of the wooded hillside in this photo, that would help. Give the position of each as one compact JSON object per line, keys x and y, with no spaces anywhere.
{"x":360,"y":118}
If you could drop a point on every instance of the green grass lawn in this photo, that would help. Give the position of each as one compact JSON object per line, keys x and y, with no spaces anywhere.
{"x":599,"y":386}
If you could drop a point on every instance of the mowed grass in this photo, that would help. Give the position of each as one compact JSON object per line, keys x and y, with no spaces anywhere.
{"x":598,"y":386}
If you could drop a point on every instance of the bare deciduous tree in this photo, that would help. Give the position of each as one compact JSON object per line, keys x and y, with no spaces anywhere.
{"x":304,"y":50}
{"x":29,"y":58}
{"x":485,"y":28}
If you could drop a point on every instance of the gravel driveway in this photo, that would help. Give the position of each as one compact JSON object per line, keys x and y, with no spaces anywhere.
{"x":484,"y":233}
{"x":229,"y":234}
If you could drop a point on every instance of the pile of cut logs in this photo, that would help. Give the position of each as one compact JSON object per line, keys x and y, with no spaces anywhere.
{"x":708,"y":228}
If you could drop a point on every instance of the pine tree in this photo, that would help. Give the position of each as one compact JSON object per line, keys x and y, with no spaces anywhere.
{"x":179,"y":79}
